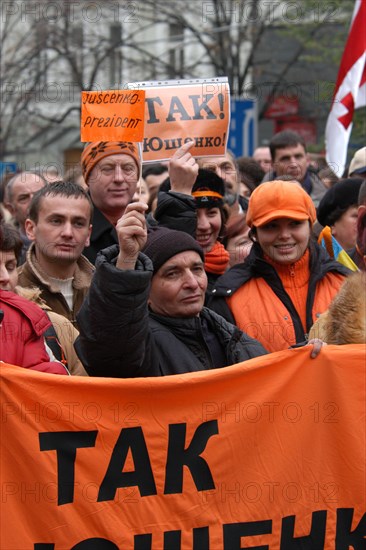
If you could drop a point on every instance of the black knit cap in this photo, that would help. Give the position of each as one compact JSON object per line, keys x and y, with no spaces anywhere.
{"x":163,"y":243}
{"x":341,"y":195}
{"x":208,"y":189}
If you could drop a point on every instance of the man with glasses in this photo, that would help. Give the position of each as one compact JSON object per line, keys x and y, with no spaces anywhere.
{"x":111,"y":170}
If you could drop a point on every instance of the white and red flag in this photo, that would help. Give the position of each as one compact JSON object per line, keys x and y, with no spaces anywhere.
{"x":349,"y":93}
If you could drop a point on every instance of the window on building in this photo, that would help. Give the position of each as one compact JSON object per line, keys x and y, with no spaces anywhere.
{"x":176,"y":51}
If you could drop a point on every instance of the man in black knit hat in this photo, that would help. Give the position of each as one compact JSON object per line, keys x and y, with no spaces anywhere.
{"x":144,"y":315}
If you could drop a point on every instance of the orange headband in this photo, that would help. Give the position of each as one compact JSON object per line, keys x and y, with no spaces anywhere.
{"x":207,"y":194}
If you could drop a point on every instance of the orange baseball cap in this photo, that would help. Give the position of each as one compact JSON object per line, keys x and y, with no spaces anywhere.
{"x":279,"y":199}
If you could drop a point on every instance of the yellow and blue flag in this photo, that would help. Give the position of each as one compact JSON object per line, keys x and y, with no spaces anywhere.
{"x":334,"y":249}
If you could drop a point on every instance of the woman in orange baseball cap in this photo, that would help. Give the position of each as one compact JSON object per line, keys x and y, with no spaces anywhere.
{"x":288,"y":280}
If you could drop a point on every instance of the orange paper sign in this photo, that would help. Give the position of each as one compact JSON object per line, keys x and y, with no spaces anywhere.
{"x":112,"y":115}
{"x":267,"y":454}
{"x":181,"y":112}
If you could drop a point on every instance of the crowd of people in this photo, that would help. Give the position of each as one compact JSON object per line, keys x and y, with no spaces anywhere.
{"x":126,"y":269}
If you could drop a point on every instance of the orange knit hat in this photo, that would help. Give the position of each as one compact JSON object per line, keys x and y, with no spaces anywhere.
{"x":97,"y":150}
{"x":279,"y":199}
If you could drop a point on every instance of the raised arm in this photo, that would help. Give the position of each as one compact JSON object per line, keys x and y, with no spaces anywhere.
{"x":132,"y":234}
{"x":177,"y":209}
{"x":183,"y":170}
{"x":114,"y":336}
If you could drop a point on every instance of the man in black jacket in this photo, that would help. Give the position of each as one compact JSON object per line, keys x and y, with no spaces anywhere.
{"x":144,"y":315}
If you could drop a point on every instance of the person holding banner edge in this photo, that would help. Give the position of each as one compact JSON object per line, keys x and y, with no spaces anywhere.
{"x":287,"y":280}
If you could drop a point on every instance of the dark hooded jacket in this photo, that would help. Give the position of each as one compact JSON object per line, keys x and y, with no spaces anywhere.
{"x":120,"y":337}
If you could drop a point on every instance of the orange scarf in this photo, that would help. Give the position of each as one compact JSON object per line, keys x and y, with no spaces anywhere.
{"x":217,"y":260}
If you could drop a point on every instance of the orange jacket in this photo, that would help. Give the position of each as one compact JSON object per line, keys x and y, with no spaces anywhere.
{"x":277,"y":310}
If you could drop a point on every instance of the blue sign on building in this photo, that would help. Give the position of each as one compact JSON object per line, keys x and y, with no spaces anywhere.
{"x":243,"y":127}
{"x":7,"y":168}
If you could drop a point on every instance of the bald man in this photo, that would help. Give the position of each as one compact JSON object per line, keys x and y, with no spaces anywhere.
{"x":18,"y":195}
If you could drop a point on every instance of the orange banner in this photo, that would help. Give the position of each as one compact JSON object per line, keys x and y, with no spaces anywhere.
{"x":267,"y":454}
{"x":112,"y":115}
{"x":181,"y":112}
